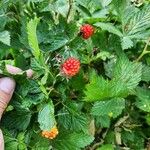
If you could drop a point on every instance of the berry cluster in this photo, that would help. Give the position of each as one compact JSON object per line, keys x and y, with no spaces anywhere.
{"x":87,"y":31}
{"x":50,"y":134}
{"x":70,"y":67}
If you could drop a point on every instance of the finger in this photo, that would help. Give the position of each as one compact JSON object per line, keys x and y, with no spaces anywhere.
{"x":15,"y":70}
{"x":1,"y":141}
{"x":7,"y":86}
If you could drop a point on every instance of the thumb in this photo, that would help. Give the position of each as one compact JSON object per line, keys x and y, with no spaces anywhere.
{"x":1,"y":141}
{"x":7,"y":86}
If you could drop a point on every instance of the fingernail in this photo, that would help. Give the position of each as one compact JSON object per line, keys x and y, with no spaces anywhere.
{"x":7,"y":85}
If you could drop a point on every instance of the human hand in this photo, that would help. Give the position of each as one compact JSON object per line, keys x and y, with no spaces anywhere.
{"x":7,"y":87}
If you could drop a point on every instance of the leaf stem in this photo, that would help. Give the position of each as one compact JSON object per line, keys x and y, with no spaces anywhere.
{"x":144,"y":51}
{"x":69,"y":10}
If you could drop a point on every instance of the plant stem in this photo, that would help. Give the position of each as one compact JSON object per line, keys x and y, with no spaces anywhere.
{"x":144,"y":51}
{"x":69,"y":10}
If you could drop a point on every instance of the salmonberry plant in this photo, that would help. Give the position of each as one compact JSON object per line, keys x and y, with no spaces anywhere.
{"x":91,"y":63}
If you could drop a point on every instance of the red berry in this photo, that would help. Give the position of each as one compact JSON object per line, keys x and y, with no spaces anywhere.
{"x":86,"y":31}
{"x":71,"y":66}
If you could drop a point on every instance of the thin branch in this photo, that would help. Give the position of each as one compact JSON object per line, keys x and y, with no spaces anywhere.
{"x":144,"y":51}
{"x":69,"y":10}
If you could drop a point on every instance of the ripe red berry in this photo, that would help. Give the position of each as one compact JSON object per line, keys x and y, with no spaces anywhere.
{"x":86,"y":31}
{"x":71,"y":67}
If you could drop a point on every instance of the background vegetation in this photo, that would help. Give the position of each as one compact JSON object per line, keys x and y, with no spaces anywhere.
{"x":107,"y":105}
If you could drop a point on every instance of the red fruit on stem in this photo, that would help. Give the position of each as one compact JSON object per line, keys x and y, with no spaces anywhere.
{"x":71,"y":67}
{"x":86,"y":31}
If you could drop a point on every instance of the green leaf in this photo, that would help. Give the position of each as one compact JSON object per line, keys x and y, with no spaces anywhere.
{"x":74,"y":122}
{"x":3,"y":20}
{"x":120,"y":6}
{"x":36,"y":1}
{"x":129,"y":12}
{"x":106,"y":147}
{"x":84,"y":10}
{"x":128,"y":72}
{"x":18,"y":120}
{"x":134,"y":139}
{"x":103,"y":121}
{"x":102,"y":55}
{"x":135,"y":23}
{"x":112,"y":108}
{"x":101,"y":89}
{"x":105,"y":2}
{"x":109,"y":27}
{"x":146,"y":73}
{"x":126,"y":43}
{"x":62,"y":7}
{"x":10,"y":143}
{"x":46,"y":117}
{"x":35,"y":65}
{"x":143,"y":99}
{"x":72,"y":141}
{"x":53,"y":39}
{"x":32,"y":37}
{"x":97,"y":89}
{"x":5,"y":37}
{"x":57,"y":43}
{"x":89,"y":6}
{"x":138,"y":25}
{"x":38,"y":142}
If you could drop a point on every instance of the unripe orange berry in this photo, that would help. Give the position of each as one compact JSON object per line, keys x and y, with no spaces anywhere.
{"x":50,"y":134}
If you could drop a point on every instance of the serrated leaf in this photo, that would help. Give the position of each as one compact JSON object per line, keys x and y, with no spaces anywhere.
{"x":97,"y":89}
{"x":74,"y":122}
{"x":72,"y":141}
{"x":128,"y":72}
{"x":111,"y":108}
{"x":53,"y":39}
{"x":57,"y":43}
{"x":105,"y":2}
{"x":101,"y":89}
{"x":103,"y":121}
{"x":90,"y":6}
{"x":109,"y":27}
{"x":135,"y":138}
{"x":5,"y":37}
{"x":145,"y":73}
{"x":120,"y":6}
{"x":126,"y":43}
{"x":100,"y":14}
{"x":139,"y":23}
{"x":10,"y":143}
{"x":129,"y":12}
{"x":18,"y":120}
{"x":62,"y":7}
{"x":32,"y":37}
{"x":143,"y":99}
{"x":38,"y":142}
{"x":46,"y":117}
